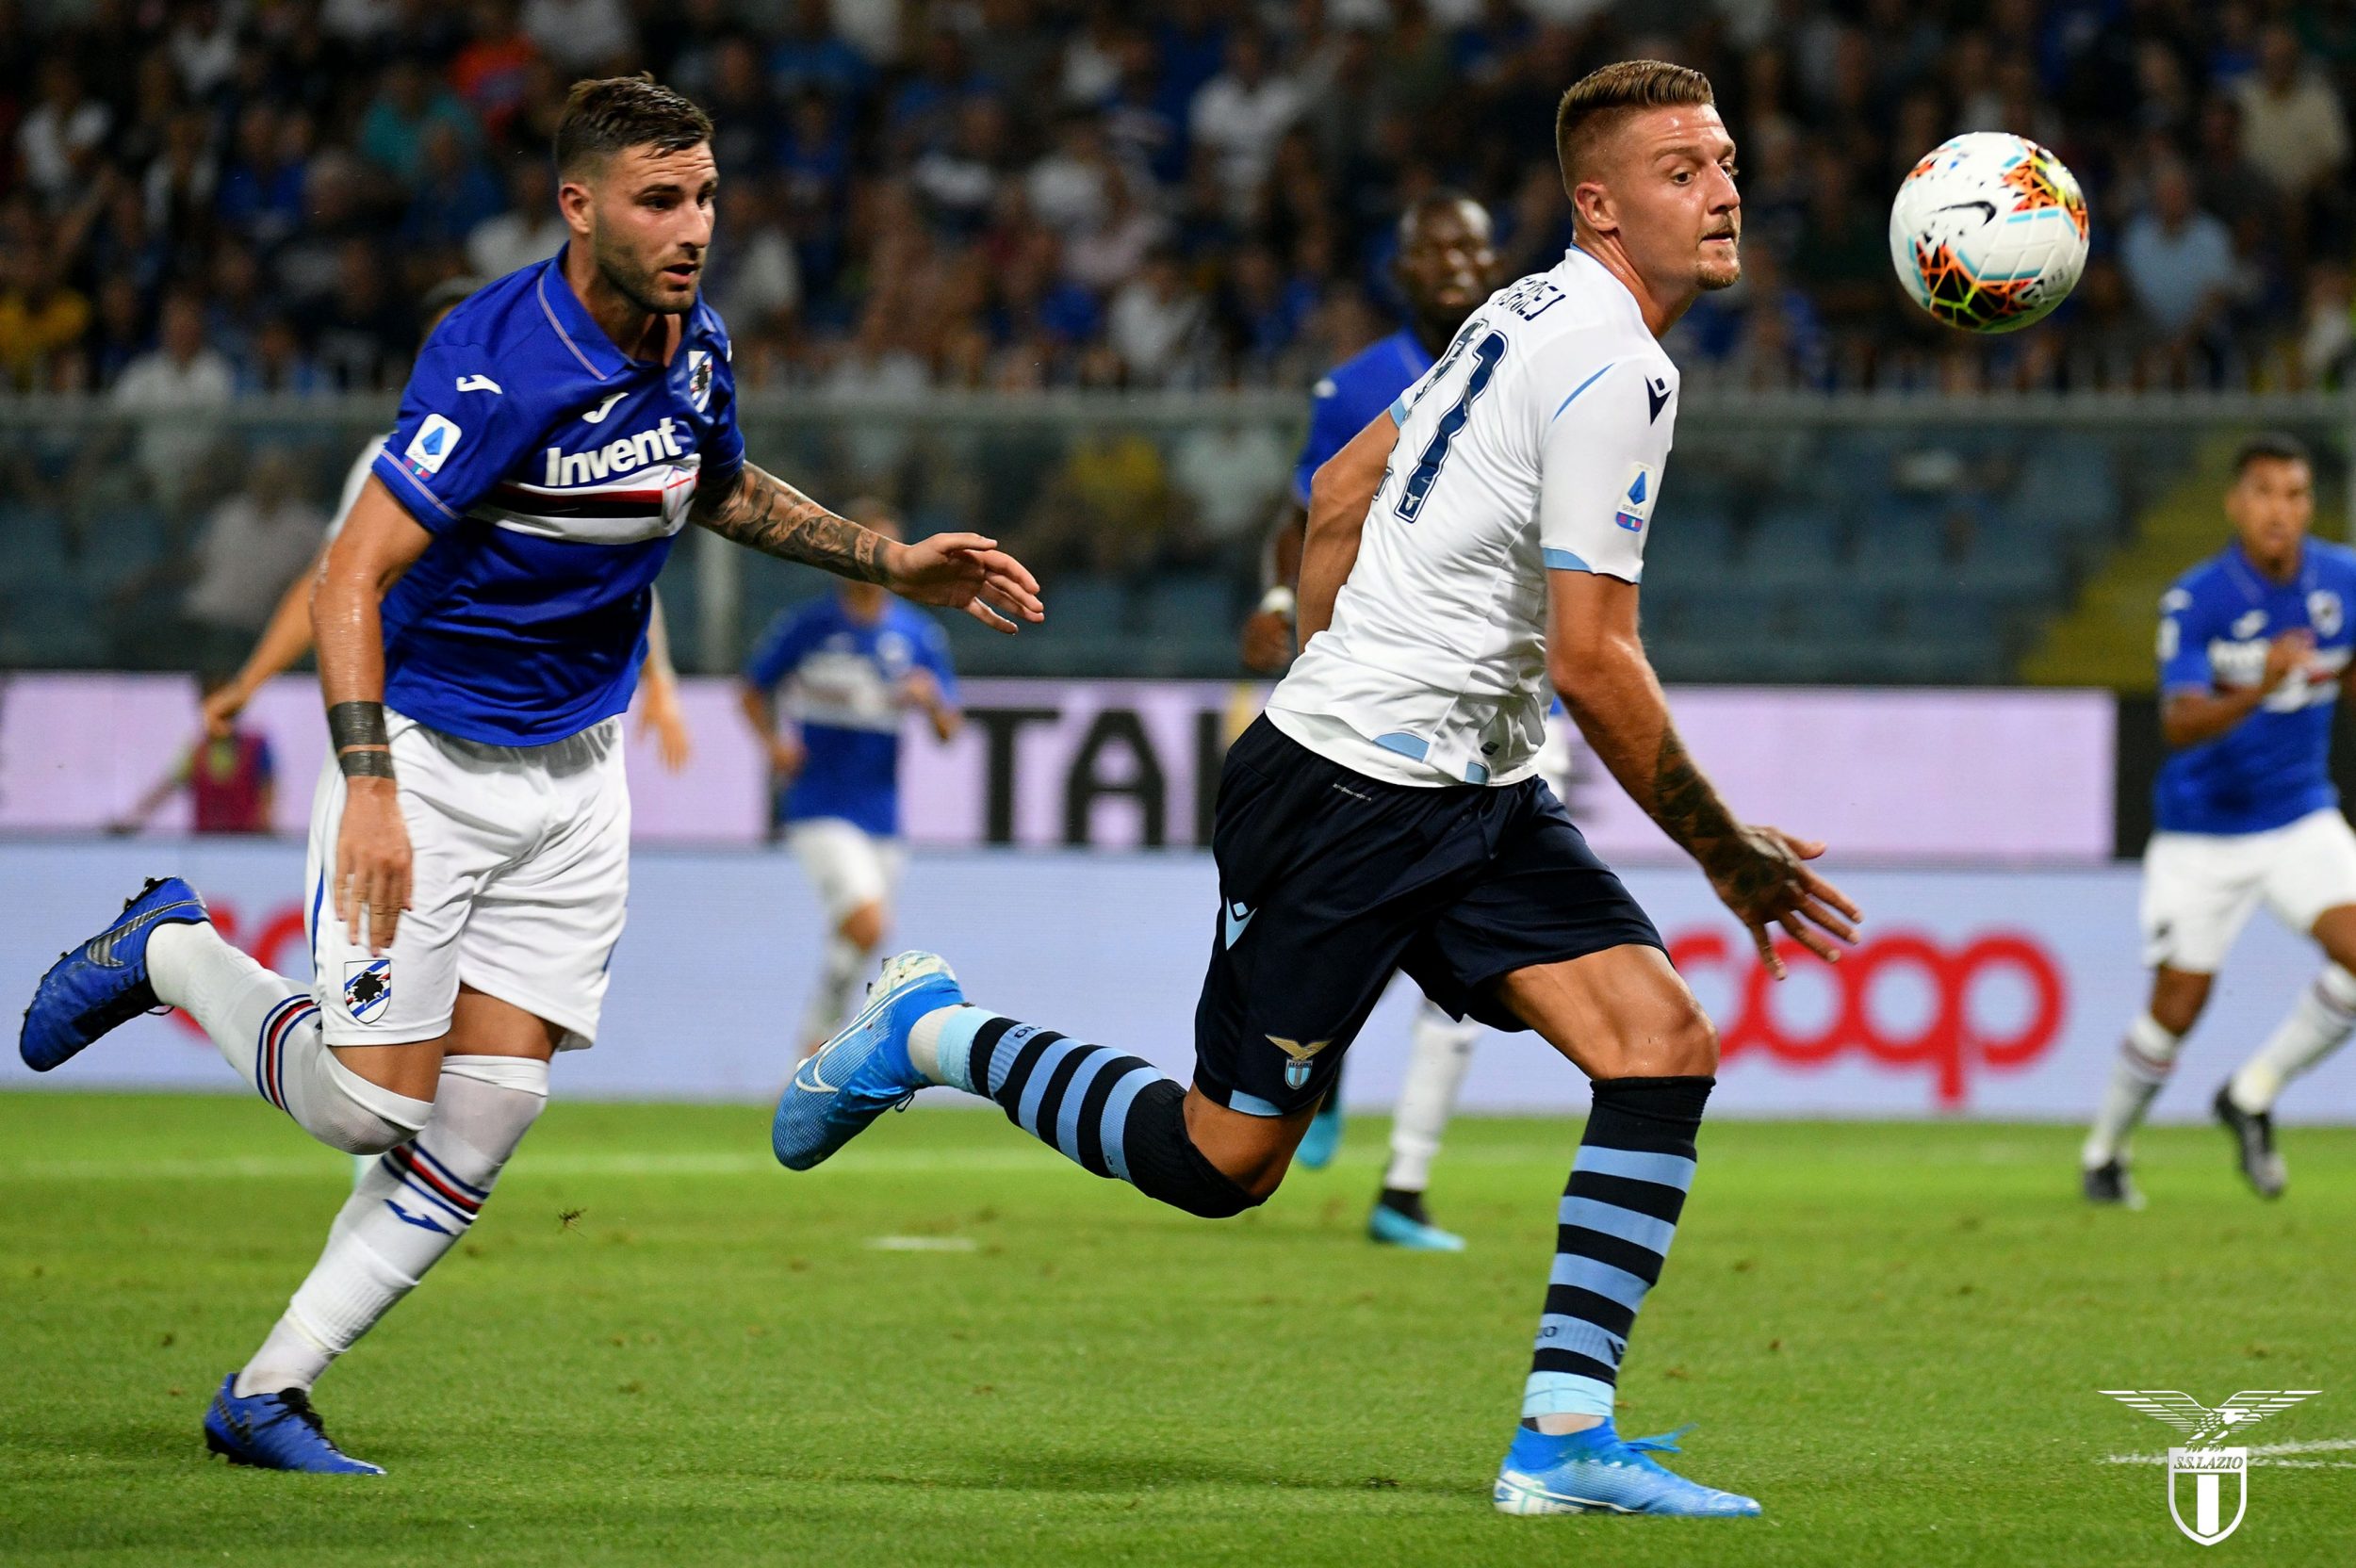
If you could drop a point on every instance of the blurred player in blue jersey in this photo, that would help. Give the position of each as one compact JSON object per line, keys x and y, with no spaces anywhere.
{"x":2254,"y":647}
{"x":480,"y":621}
{"x":1446,"y":266}
{"x":852,"y":665}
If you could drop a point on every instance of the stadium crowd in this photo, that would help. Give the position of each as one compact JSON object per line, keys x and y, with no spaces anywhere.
{"x":207,"y":198}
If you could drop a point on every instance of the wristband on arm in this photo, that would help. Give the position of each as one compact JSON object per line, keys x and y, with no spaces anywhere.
{"x":356,"y":730}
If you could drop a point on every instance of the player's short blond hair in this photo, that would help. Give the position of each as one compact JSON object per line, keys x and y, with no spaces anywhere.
{"x":1599,"y":101}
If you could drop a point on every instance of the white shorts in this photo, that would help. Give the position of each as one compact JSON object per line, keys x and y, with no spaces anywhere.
{"x":849,"y":866}
{"x":2199,"y":889}
{"x":520,"y":860}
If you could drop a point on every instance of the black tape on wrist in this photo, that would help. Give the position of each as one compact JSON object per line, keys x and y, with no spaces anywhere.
{"x":365,"y":764}
{"x":356,"y":723}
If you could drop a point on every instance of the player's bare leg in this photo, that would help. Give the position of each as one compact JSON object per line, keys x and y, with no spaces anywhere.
{"x":2147,"y":1056}
{"x":850,"y":957}
{"x":2319,"y":1024}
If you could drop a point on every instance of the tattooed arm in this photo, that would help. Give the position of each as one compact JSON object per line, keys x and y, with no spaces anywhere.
{"x":959,"y":571}
{"x":1598,"y":663}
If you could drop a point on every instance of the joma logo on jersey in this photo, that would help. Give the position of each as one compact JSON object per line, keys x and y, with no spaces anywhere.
{"x":622,"y":455}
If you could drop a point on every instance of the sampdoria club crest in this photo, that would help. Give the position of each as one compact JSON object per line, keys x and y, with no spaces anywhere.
{"x":2204,"y":1464}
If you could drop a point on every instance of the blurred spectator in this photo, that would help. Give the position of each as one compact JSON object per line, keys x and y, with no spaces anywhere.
{"x":2292,"y":121}
{"x":455,"y":194}
{"x":958,"y":182}
{"x":811,"y":57}
{"x":40,"y":317}
{"x":170,"y":389}
{"x":203,"y":45}
{"x":1233,"y":473}
{"x":493,"y":72}
{"x":261,"y":192}
{"x":1068,"y":185}
{"x":121,"y":332}
{"x":531,"y":230}
{"x":1154,"y":320}
{"x":409,"y":101}
{"x":231,"y":780}
{"x":2327,"y":343}
{"x":252,"y":545}
{"x":2179,"y":260}
{"x":582,"y":35}
{"x":361,"y":334}
{"x":754,"y":278}
{"x":59,"y":140}
{"x":1241,"y":113}
{"x":278,"y":366}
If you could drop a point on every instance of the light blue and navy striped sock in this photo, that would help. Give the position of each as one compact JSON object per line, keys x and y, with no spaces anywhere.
{"x":1619,"y":1214}
{"x":1116,"y":1115}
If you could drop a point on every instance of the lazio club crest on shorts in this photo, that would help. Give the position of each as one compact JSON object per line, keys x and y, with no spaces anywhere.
{"x":367,"y":989}
{"x":2206,"y":1482}
{"x":1303,"y":1053}
{"x":699,"y":380}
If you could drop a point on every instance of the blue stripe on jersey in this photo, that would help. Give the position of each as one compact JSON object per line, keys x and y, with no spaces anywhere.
{"x":553,"y":472}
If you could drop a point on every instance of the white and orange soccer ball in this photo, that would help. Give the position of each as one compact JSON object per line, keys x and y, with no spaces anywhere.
{"x":1988,"y":233}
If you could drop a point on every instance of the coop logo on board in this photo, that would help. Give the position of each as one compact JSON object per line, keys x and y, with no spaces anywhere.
{"x":1955,"y":1039}
{"x":2203,"y":1470}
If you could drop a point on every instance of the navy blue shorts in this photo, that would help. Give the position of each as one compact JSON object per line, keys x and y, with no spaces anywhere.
{"x":1331,"y":881}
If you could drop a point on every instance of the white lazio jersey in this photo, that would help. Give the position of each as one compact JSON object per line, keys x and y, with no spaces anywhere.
{"x":1535,"y":444}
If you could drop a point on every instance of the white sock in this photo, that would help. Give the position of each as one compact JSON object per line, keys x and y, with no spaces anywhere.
{"x":2319,"y":1023}
{"x":839,"y":975}
{"x":1440,"y":1050}
{"x":410,"y":1210}
{"x":2145,"y":1058}
{"x":267,"y":1030}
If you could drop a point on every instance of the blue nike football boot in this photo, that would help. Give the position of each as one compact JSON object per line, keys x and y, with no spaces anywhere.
{"x":1323,"y":1139}
{"x":864,"y":1070}
{"x":1597,"y":1471}
{"x":1392,"y":1225}
{"x":275,"y":1431}
{"x":103,"y":982}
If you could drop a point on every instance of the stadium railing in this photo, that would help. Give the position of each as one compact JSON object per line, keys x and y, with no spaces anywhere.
{"x":1901,"y":539}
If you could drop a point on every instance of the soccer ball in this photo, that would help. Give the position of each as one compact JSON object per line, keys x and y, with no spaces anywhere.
{"x":1988,"y":233}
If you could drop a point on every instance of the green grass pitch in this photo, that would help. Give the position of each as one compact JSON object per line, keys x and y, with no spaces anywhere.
{"x":1892,"y":1336}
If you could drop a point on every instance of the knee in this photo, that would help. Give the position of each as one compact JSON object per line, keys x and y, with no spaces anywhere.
{"x":1684,"y":1047}
{"x":863,"y":928}
{"x":363,"y":1132}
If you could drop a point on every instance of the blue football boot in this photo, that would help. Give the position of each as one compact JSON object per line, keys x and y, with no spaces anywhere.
{"x":103,"y":982}
{"x":1597,"y":1471}
{"x":864,"y":1070}
{"x":275,"y":1431}
{"x":1392,"y":1225}
{"x":1323,"y":1139}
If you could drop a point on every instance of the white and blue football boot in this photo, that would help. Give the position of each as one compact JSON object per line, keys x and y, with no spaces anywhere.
{"x":1391,"y":1227}
{"x":864,"y":1069}
{"x":103,"y":983}
{"x":275,"y":1431}
{"x":1597,"y":1471}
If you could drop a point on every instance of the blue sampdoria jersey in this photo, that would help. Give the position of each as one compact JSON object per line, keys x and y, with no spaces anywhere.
{"x":2215,"y":625}
{"x":846,"y":678}
{"x":1351,"y":394}
{"x":553,"y":472}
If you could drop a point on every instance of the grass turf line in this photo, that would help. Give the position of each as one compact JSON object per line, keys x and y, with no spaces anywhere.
{"x":1890,"y":1334}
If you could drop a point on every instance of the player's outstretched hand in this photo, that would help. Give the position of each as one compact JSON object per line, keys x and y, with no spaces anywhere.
{"x":372,"y":863}
{"x":1763,"y":876}
{"x":968,"y":572}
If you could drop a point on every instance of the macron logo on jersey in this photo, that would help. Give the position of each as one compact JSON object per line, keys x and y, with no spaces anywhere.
{"x":432,"y":445}
{"x":623,"y":455}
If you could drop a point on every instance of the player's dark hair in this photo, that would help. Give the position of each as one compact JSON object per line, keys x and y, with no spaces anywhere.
{"x":1600,"y":99}
{"x":2270,"y":445}
{"x":609,"y":115}
{"x":1446,"y":199}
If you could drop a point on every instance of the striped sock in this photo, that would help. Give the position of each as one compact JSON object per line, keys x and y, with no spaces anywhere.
{"x":1619,"y":1214}
{"x":1073,"y":1096}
